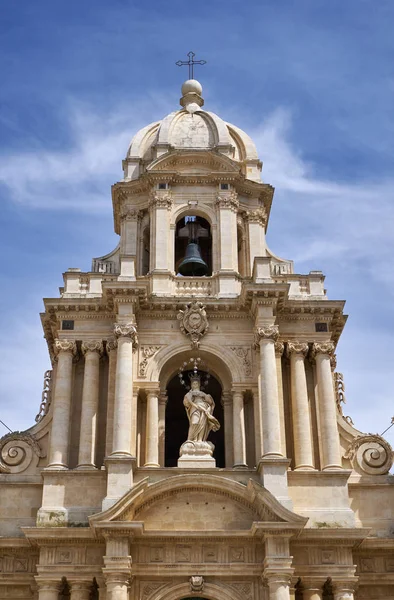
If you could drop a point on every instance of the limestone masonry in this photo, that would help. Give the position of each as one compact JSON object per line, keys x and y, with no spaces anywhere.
{"x":191,"y":441}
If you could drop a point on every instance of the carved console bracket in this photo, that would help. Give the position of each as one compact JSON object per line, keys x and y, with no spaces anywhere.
{"x":17,"y":451}
{"x":370,"y":454}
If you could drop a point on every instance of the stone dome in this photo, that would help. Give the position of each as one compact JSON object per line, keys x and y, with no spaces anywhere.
{"x":191,"y":128}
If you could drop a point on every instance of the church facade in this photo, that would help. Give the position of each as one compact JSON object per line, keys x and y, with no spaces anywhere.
{"x":191,"y":441}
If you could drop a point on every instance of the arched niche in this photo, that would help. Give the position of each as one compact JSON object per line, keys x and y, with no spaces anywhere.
{"x":177,"y":424}
{"x":193,"y":228}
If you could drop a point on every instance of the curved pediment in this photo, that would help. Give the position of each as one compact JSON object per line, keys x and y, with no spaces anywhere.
{"x":206,"y":503}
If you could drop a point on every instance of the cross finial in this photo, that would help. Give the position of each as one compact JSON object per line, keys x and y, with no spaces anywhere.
{"x":190,"y":63}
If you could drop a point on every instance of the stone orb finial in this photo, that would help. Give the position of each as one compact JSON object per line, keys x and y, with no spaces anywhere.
{"x":192,"y":86}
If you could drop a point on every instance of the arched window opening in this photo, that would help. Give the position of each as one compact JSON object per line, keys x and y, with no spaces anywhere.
{"x":145,"y":261}
{"x":177,"y":424}
{"x":193,"y":247}
{"x":241,"y":247}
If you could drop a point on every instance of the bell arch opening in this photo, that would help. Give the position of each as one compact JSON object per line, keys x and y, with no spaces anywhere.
{"x":193,"y":247}
{"x":177,"y":423}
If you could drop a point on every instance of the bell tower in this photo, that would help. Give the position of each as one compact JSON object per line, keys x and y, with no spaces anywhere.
{"x":191,"y":440}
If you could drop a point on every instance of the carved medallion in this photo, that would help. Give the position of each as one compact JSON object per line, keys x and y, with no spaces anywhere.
{"x":194,"y":322}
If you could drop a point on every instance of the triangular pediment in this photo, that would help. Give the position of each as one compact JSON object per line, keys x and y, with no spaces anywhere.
{"x":187,"y":503}
{"x":194,"y":162}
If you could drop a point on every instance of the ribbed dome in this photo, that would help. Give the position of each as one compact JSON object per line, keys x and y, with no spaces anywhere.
{"x":191,"y":128}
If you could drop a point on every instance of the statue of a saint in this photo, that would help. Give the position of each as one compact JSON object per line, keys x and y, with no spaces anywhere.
{"x":199,"y":408}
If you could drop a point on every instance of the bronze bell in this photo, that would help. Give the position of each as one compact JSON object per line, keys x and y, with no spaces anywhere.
{"x":193,"y":265}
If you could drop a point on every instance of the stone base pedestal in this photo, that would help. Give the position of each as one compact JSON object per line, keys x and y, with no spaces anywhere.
{"x":119,"y":478}
{"x":273,"y":476}
{"x":196,"y":455}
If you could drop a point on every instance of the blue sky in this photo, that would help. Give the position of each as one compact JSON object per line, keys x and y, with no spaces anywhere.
{"x":311,"y":81}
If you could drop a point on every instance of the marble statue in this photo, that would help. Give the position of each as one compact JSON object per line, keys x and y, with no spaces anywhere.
{"x":199,"y":408}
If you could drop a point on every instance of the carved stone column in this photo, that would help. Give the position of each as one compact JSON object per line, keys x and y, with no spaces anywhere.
{"x":127,"y":338}
{"x":119,"y":463}
{"x":117,"y":569}
{"x":90,"y":397}
{"x":258,"y":424}
{"x":257,"y":221}
{"x":58,"y":453}
{"x":129,"y":216}
{"x":302,"y":431}
{"x":162,"y":427}
{"x":239,"y":430}
{"x":279,"y":349}
{"x":343,"y":591}
{"x":227,"y":205}
{"x":111,"y":347}
{"x":228,"y":428}
{"x":312,"y":590}
{"x":277,"y":567}
{"x":327,"y":410}
{"x":279,"y":587}
{"x":48,"y":589}
{"x":160,"y":206}
{"x":152,"y":429}
{"x":134,"y":417}
{"x":80,"y":590}
{"x":266,"y":337}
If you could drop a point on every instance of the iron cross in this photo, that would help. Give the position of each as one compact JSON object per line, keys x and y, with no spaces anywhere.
{"x":190,"y":63}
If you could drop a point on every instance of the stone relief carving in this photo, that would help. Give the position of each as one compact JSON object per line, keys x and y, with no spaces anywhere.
{"x":339,"y":386}
{"x":46,"y":396}
{"x":149,"y":588}
{"x":243,"y":588}
{"x":17,"y":450}
{"x":147,"y":352}
{"x":130,"y":213}
{"x":266,"y":332}
{"x":158,"y":200}
{"x":193,"y":322}
{"x":243,"y":352}
{"x":128,"y":330}
{"x":196,"y":583}
{"x":370,"y":454}
{"x":92,"y":346}
{"x":229,"y":200}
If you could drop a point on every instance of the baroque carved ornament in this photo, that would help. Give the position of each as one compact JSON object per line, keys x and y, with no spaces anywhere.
{"x":130,"y":213}
{"x":46,"y":396}
{"x":92,"y":346}
{"x":229,"y":201}
{"x":370,"y":454}
{"x":243,"y":352}
{"x":17,"y":451}
{"x":257,"y":216}
{"x":193,"y":322}
{"x":157,"y":200}
{"x":322,"y":348}
{"x":65,"y":346}
{"x":266,"y":333}
{"x":147,"y":352}
{"x":127,"y":330}
{"x":297,"y":348}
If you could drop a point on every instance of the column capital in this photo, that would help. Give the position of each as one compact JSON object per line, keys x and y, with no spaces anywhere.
{"x":278,"y":577}
{"x":279,"y":348}
{"x":256,"y":216}
{"x":126,"y":330}
{"x":266,"y":333}
{"x":322,"y":348}
{"x":163,"y":398}
{"x":92,"y":346}
{"x":344,"y":590}
{"x":228,"y":200}
{"x":295,"y":348}
{"x":111,"y":345}
{"x":65,"y":346}
{"x":161,"y":200}
{"x":48,"y":585}
{"x":226,"y":399}
{"x":130,"y":213}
